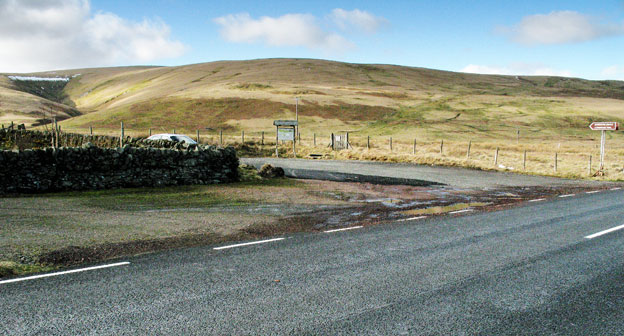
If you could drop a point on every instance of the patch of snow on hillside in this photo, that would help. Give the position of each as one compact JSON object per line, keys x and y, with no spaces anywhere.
{"x":32,"y":78}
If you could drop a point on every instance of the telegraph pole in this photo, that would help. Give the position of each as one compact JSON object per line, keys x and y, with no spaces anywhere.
{"x":297,"y":116}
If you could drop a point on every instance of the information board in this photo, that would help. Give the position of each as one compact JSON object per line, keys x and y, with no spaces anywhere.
{"x":286,"y":134}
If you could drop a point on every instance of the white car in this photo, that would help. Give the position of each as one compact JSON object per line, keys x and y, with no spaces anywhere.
{"x":173,"y":137}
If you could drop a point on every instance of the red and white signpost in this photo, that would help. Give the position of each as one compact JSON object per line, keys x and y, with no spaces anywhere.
{"x":602,"y":127}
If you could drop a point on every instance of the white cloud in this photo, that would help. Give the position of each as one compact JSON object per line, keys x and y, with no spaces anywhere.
{"x":362,"y":20}
{"x":286,"y":30}
{"x":561,"y":27}
{"x":613,"y":72}
{"x":41,"y":35}
{"x":525,"y":69}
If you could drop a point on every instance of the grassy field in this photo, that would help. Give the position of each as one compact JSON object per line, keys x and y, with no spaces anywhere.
{"x":76,"y":227}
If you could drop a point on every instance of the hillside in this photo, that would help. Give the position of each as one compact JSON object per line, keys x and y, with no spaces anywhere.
{"x":378,"y":99}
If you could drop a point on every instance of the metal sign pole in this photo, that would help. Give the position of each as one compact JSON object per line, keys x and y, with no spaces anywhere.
{"x":602,"y":149}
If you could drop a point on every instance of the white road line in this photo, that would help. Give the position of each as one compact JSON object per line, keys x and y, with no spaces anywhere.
{"x":537,"y":200}
{"x":64,"y":272}
{"x":412,"y":218}
{"x":460,"y":211}
{"x":616,"y":188}
{"x":246,"y":244}
{"x":592,"y":192}
{"x":344,"y":229}
{"x":598,"y":234}
{"x":568,"y":195}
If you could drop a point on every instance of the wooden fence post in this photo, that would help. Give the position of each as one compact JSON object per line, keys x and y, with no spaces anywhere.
{"x":368,"y":142}
{"x":53,"y":134}
{"x":555,"y":162}
{"x":333,"y":146}
{"x":90,"y":130}
{"x":56,"y":132}
{"x":262,"y":140}
{"x":243,"y":137}
{"x":314,"y":139}
{"x":589,"y":172}
{"x":442,"y":147}
{"x":347,"y":141}
{"x":121,"y":135}
{"x":414,"y":148}
{"x":173,"y":131}
{"x":517,"y":136}
{"x":391,"y":144}
{"x":220,"y":137}
{"x":524,"y":161}
{"x":150,"y":131}
{"x":496,"y":158}
{"x":468,"y":151}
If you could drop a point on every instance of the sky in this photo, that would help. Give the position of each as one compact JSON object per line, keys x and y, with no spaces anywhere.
{"x":530,"y":37}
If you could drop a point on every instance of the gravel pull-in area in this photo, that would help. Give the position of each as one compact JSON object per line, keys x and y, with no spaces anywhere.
{"x":451,"y":176}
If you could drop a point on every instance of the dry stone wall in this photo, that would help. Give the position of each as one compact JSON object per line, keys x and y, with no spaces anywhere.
{"x":23,"y":139}
{"x":90,"y":167}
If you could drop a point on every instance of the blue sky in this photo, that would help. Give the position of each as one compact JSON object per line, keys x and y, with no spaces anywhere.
{"x":571,"y":38}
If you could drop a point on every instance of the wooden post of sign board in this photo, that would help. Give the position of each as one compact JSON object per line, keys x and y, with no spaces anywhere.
{"x":277,"y":141}
{"x":294,"y":142}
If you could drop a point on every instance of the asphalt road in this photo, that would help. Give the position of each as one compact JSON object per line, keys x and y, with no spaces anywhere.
{"x":521,"y":271}
{"x":402,"y":173}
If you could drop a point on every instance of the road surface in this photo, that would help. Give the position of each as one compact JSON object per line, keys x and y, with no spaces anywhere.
{"x":526,"y":270}
{"x":402,"y":173}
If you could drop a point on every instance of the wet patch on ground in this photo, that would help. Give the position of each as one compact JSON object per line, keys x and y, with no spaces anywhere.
{"x":374,"y":204}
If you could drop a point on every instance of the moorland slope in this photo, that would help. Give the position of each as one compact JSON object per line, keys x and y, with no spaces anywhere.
{"x":376,"y":99}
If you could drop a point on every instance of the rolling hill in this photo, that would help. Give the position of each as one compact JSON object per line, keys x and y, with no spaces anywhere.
{"x":376,"y":99}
